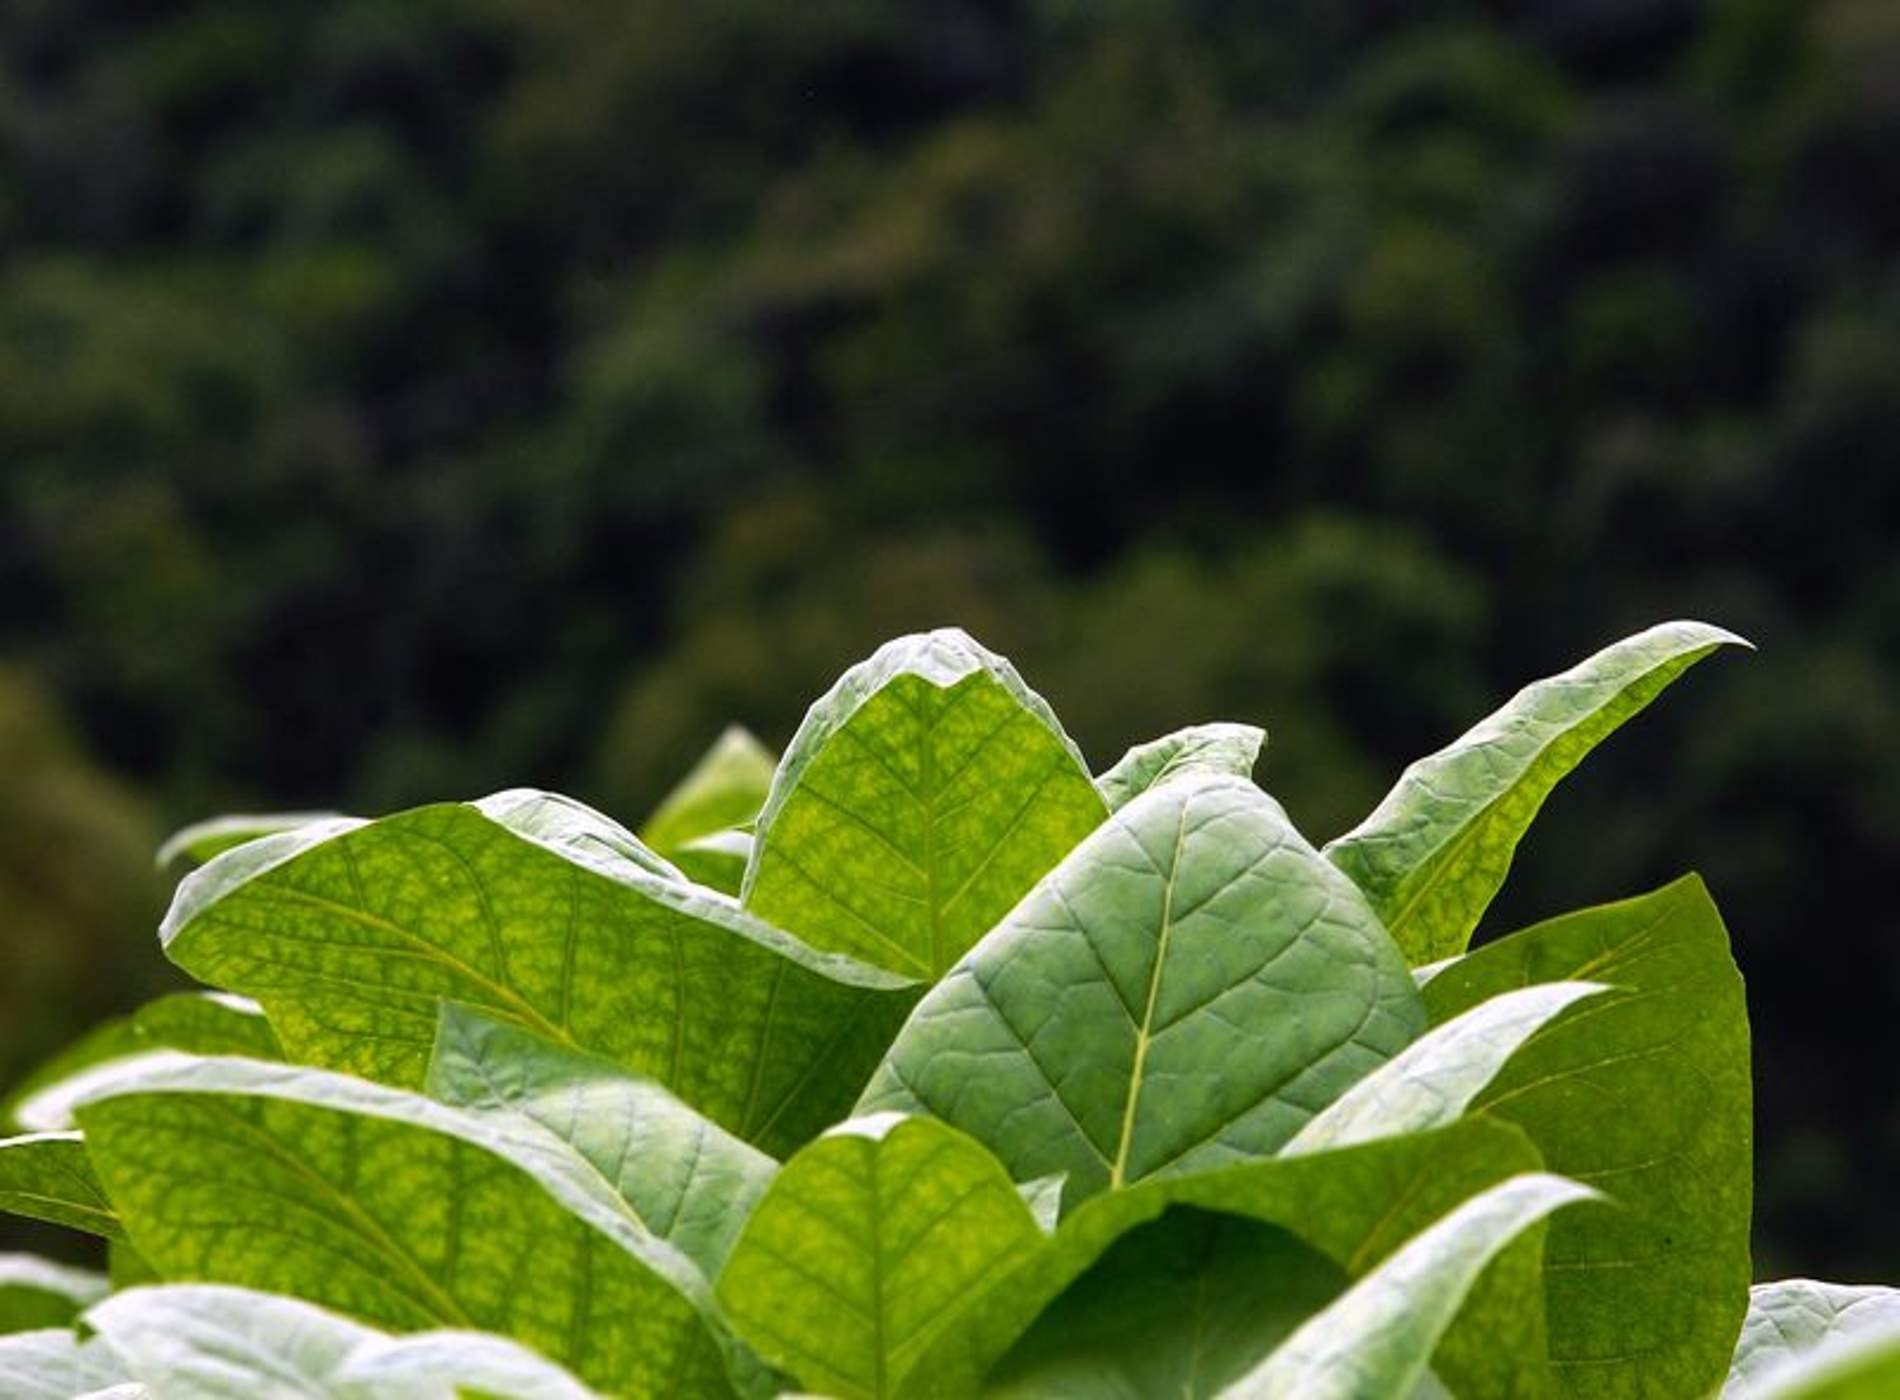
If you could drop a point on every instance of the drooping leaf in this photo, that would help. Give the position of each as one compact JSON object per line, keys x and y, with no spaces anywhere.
{"x":196,"y":844}
{"x":51,"y":1363}
{"x":724,"y":789}
{"x":1433,"y":1080}
{"x":399,"y":1211}
{"x":1200,"y":748}
{"x":214,"y":1342}
{"x":1645,"y":1093}
{"x":1180,"y":1306}
{"x":37,"y":1292}
{"x":717,"y":860}
{"x":687,"y":1180}
{"x":867,"y":1241}
{"x":1376,"y":1341}
{"x":1435,"y":851}
{"x":1793,"y":1318}
{"x":1187,"y":989}
{"x":923,"y":794}
{"x":1354,"y":1205}
{"x":49,"y":1176}
{"x":531,"y":909}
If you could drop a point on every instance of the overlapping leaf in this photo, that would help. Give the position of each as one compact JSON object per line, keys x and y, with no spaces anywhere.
{"x":52,"y":1363}
{"x":1644,"y":1093}
{"x":37,"y":1292}
{"x":1795,"y":1318}
{"x":1200,"y":748}
{"x":1187,"y":989}
{"x":1435,"y":851}
{"x":725,"y":789}
{"x":49,"y":1176}
{"x":537,"y":911}
{"x":923,"y":794}
{"x":198,"y":843}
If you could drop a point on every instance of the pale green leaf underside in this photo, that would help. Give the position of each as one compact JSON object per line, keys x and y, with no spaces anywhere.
{"x":534,"y":910}
{"x":51,"y":1363}
{"x":1645,"y":1093}
{"x":195,"y":844}
{"x":1433,"y":1080}
{"x":1202,"y":748}
{"x":49,"y":1176}
{"x":1355,"y":1206}
{"x":683,"y":1177}
{"x":1793,"y":1318}
{"x":1436,"y":849}
{"x":396,"y":1210}
{"x":213,"y":1342}
{"x":923,"y":794}
{"x":1375,"y":1342}
{"x":724,"y":789}
{"x":37,"y":1292}
{"x":1188,"y":988}
{"x":1858,"y":1368}
{"x":867,"y":1242}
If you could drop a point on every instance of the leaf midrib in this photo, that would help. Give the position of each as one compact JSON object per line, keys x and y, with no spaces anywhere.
{"x":1118,"y":1171}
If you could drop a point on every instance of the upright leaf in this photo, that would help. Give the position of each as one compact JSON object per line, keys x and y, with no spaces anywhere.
{"x":1187,"y":989}
{"x":1795,"y":1317}
{"x":1376,"y":1341}
{"x":399,"y":1211}
{"x":1645,"y":1093}
{"x":51,"y":1363}
{"x":37,"y":1292}
{"x":1435,"y":851}
{"x":870,"y":1238}
{"x":212,"y":1342}
{"x":724,"y":789}
{"x":685,"y":1179}
{"x":1200,"y":748}
{"x":49,"y":1176}
{"x":536,"y":911}
{"x":923,"y":794}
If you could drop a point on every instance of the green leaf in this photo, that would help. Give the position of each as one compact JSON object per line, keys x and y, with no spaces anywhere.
{"x":538,"y":912}
{"x":1433,"y":1080}
{"x":127,"y":1267}
{"x":1795,"y":1317}
{"x":1375,"y":1342}
{"x":923,"y":794}
{"x":212,"y":1342}
{"x":1435,"y":851}
{"x":49,"y":1176}
{"x":1645,"y":1093}
{"x":1180,"y":1306}
{"x":37,"y":1293}
{"x":1187,"y":988}
{"x":1865,"y":1367}
{"x":718,"y":860}
{"x":1202,"y":748}
{"x":725,"y":789}
{"x":51,"y":1363}
{"x":397,"y":1210}
{"x":688,"y":1181}
{"x":198,"y":843}
{"x":1355,"y":1206}
{"x":864,"y":1245}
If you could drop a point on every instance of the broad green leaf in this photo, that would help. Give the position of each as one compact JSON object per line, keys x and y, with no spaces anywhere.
{"x":196,"y":844}
{"x":203,"y":1023}
{"x":725,"y":789}
{"x":1433,"y":1080}
{"x":685,"y":1179}
{"x":399,"y":1211}
{"x":1186,"y":989}
{"x":1645,"y":1093}
{"x":536,"y":911}
{"x":1865,"y":1367}
{"x":1355,"y":1206}
{"x":1180,"y":1306}
{"x":1201,"y":748}
{"x":1375,"y":1342}
{"x":51,"y":1363}
{"x":717,"y":860}
{"x":212,"y":1342}
{"x":1792,"y":1318}
{"x":923,"y":794}
{"x":865,"y":1244}
{"x":49,"y":1176}
{"x":1435,"y":851}
{"x":37,"y":1292}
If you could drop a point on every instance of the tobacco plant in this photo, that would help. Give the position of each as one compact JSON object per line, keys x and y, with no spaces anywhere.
{"x":921,"y":1062}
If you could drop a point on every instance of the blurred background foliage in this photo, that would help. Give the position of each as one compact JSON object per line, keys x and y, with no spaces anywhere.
{"x":403,"y":401}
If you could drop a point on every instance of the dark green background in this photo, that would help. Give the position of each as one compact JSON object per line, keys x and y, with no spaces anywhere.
{"x":401,"y":401}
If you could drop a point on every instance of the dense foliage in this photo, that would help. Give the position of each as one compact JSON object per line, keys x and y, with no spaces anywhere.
{"x":950,"y":1069}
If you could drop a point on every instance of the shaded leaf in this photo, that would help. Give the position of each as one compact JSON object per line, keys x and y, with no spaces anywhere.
{"x":1436,"y":849}
{"x":718,"y":860}
{"x":724,"y":789}
{"x":1793,"y":1318}
{"x":49,"y":1176}
{"x":1202,"y":748}
{"x":923,"y":794}
{"x":37,"y":1292}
